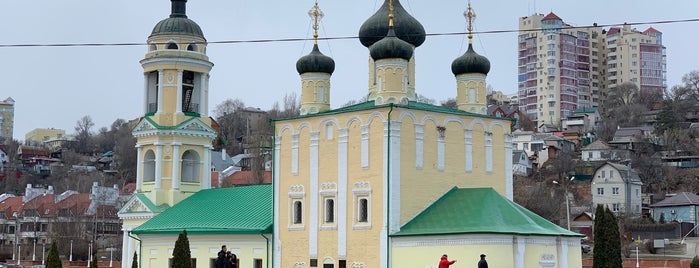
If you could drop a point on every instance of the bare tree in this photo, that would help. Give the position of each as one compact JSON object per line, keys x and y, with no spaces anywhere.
{"x":83,"y":135}
{"x":450,"y":103}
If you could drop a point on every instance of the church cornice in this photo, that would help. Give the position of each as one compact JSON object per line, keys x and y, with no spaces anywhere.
{"x":193,"y":128}
{"x":177,"y":57}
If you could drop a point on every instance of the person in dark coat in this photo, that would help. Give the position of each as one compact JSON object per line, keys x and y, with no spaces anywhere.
{"x":444,"y":262}
{"x":482,"y":263}
{"x":221,"y":257}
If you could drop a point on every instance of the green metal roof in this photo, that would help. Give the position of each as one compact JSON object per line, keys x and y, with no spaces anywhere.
{"x":149,"y":204}
{"x":479,"y":211}
{"x":368,"y":105}
{"x":235,"y":210}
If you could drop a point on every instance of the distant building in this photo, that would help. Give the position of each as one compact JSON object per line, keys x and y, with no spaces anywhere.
{"x":617,"y":187}
{"x":7,"y":118}
{"x":39,"y":217}
{"x":38,"y":136}
{"x":563,"y":68}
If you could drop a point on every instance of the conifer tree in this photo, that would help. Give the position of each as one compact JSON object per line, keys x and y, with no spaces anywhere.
{"x":695,"y":262}
{"x":614,"y":239}
{"x":53,"y":260}
{"x":181,"y":255}
{"x":607,"y":253}
{"x":600,"y":236}
{"x":134,"y":263}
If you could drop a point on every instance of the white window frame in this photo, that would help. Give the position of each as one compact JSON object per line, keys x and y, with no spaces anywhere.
{"x":361,"y":190}
{"x":615,"y":190}
{"x":600,"y":191}
{"x":296,"y":194}
{"x":328,"y":191}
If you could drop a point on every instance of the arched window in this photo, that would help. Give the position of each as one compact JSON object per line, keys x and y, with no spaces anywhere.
{"x":149,"y":166}
{"x":191,"y":167}
{"x":171,"y":45}
{"x":363,"y":210}
{"x":192,"y":47}
{"x":298,"y":212}
{"x":329,"y":210}
{"x":472,"y":95}
{"x":152,"y":47}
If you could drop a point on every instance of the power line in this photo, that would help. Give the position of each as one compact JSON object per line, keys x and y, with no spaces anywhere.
{"x":279,"y":40}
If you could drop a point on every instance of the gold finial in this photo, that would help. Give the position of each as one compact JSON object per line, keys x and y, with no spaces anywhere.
{"x":470,"y":16}
{"x":316,"y":15}
{"x":390,"y":13}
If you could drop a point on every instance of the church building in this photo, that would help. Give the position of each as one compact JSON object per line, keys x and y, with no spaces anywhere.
{"x":393,"y":182}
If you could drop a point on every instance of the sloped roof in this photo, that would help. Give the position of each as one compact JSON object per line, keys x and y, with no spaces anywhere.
{"x":479,"y":211}
{"x":551,"y":16}
{"x":624,"y":170}
{"x":597,"y":145}
{"x":517,"y":154}
{"x":249,"y":212}
{"x":651,"y":30}
{"x":681,"y":199}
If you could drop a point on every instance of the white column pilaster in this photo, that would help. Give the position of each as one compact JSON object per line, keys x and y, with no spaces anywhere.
{"x":202,"y":95}
{"x":365,"y":146}
{"x":206,"y":184}
{"x":468,"y":134}
{"x":394,"y":161}
{"x":139,"y":167}
{"x":489,"y":152}
{"x":158,"y":165}
{"x":314,"y":206}
{"x":125,"y":254}
{"x":161,"y":76}
{"x":440,"y":148}
{"x":509,"y":188}
{"x":145,"y":93}
{"x":176,"y":166}
{"x":276,"y":259}
{"x":179,"y":91}
{"x":342,"y":189}
{"x":419,"y":145}
{"x":295,"y":154}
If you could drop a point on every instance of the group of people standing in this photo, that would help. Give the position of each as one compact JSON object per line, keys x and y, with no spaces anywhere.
{"x":444,"y":262}
{"x":226,"y":259}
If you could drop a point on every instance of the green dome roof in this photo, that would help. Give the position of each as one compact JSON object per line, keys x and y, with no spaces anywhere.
{"x":315,"y":62}
{"x":391,"y":47}
{"x":406,"y":26}
{"x":178,"y":23}
{"x":470,"y":62}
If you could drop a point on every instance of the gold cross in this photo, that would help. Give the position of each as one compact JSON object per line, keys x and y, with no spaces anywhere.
{"x":316,"y":14}
{"x":390,"y":13}
{"x":470,"y":16}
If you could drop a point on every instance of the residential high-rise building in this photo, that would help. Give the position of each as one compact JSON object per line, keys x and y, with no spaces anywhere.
{"x":562,"y":68}
{"x":7,"y":118}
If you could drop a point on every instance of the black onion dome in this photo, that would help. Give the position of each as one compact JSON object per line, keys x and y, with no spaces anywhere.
{"x":315,"y":62}
{"x":391,"y":47}
{"x":406,"y":26}
{"x":470,"y":62}
{"x":178,"y":23}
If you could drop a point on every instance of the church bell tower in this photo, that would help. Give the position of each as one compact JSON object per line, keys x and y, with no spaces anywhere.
{"x":175,"y":135}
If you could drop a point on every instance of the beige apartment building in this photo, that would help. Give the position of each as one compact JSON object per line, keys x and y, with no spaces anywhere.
{"x":7,"y":115}
{"x":39,"y":136}
{"x":562,"y":67}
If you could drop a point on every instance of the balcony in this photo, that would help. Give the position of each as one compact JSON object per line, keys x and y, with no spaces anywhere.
{"x":551,"y":99}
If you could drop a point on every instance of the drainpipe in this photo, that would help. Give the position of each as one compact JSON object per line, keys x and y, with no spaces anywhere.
{"x":274,"y":142}
{"x":388,"y":184}
{"x":140,"y":253}
{"x":267,"y":251}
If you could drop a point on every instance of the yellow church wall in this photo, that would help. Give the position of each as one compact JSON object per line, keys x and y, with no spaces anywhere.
{"x":419,"y":186}
{"x":425,"y":184}
{"x":466,"y":249}
{"x":157,"y":249}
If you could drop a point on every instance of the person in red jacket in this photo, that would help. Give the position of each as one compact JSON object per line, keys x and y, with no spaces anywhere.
{"x":444,"y":262}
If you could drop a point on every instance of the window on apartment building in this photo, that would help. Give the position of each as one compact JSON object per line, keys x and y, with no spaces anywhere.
{"x":525,"y":146}
{"x":256,"y":263}
{"x":552,"y":104}
{"x":616,"y":207}
{"x":329,"y":210}
{"x":637,"y":192}
{"x":603,"y":173}
{"x":615,"y":190}
{"x":600,"y":191}
{"x":589,"y":155}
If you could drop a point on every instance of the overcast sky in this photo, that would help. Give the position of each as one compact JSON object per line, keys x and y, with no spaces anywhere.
{"x":55,"y":86}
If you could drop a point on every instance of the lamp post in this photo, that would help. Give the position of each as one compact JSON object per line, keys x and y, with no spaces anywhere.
{"x":89,"y":254}
{"x":638,"y":241}
{"x":567,"y":201}
{"x":43,"y":252}
{"x":71,"y":250}
{"x":111,"y":251}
